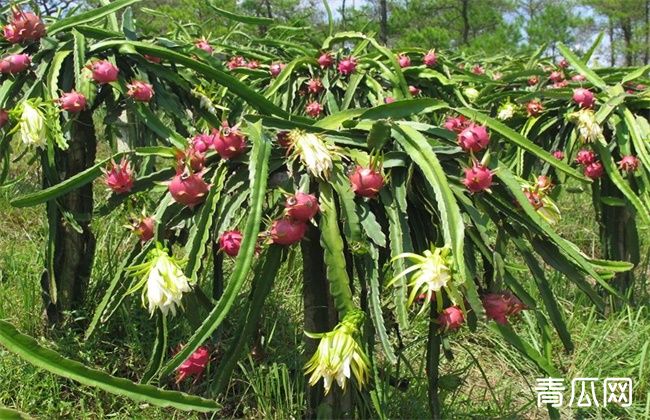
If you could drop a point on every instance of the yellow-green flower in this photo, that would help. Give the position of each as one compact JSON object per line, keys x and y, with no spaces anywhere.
{"x":588,"y":128}
{"x":32,"y":128}
{"x":314,"y":152}
{"x":163,"y":281}
{"x":431,"y":272}
{"x":339,"y":355}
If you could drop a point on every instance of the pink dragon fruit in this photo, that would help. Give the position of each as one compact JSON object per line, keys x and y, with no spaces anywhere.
{"x":72,"y":102}
{"x":501,"y":306}
{"x":253,"y":64}
{"x":204,"y":45}
{"x":414,"y":91}
{"x":145,"y":228}
{"x":629,"y":163}
{"x":276,"y":68}
{"x":314,"y":86}
{"x":194,"y":365}
{"x":188,"y":189}
{"x":456,"y":124}
{"x":583,"y":97}
{"x":24,"y":26}
{"x":314,"y":109}
{"x":559,"y":85}
{"x":229,"y":142}
{"x":585,"y":157}
{"x":478,"y":70}
{"x":103,"y":71}
{"x":4,"y":117}
{"x":236,"y":62}
{"x":15,"y":63}
{"x":474,"y":138}
{"x":533,"y":80}
{"x":287,"y":231}
{"x":192,"y":156}
{"x":403,"y":60}
{"x":230,"y":242}
{"x":451,"y":319}
{"x":202,"y":142}
{"x":594,"y":170}
{"x":477,"y":178}
{"x":429,"y":59}
{"x":366,"y":182}
{"x":563,"y":64}
{"x":534,"y":108}
{"x":140,"y":91}
{"x":325,"y":60}
{"x":578,"y":78}
{"x":556,"y":76}
{"x":389,"y":100}
{"x":558,"y":154}
{"x":119,"y":177}
{"x":347,"y":66}
{"x":301,"y":206}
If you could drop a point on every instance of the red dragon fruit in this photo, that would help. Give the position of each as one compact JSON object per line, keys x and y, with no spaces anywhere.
{"x":347,"y":66}
{"x":192,"y":156}
{"x":253,"y":64}
{"x":534,"y":108}
{"x":501,"y":306}
{"x":301,"y":206}
{"x":194,"y":365}
{"x":276,"y":68}
{"x":236,"y":62}
{"x":283,"y":139}
{"x":229,"y":142}
{"x":583,"y":97}
{"x":204,"y":45}
{"x":314,"y":109}
{"x":103,"y":71}
{"x":456,"y":124}
{"x":629,"y":163}
{"x":145,"y":228}
{"x":559,"y":85}
{"x":72,"y":102}
{"x":578,"y":78}
{"x":325,"y":60}
{"x":594,"y":170}
{"x":585,"y":157}
{"x":389,"y":100}
{"x":119,"y":177}
{"x":451,"y":319}
{"x":533,"y":80}
{"x":287,"y":231}
{"x":474,"y":138}
{"x":314,"y":86}
{"x":366,"y":182}
{"x":477,"y":178}
{"x":188,"y":189}
{"x":230,"y":242}
{"x":563,"y":64}
{"x":15,"y":63}
{"x":429,"y":59}
{"x":4,"y":117}
{"x":202,"y":142}
{"x":403,"y":60}
{"x":558,"y":154}
{"x":140,"y":91}
{"x":24,"y":26}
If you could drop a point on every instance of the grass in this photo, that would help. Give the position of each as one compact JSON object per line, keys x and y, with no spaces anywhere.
{"x":485,"y":378}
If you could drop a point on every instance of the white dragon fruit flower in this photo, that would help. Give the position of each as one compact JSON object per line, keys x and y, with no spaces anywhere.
{"x":32,"y":127}
{"x":314,"y":152}
{"x":339,"y":355}
{"x":588,"y":128}
{"x":506,"y":111}
{"x":163,"y":281}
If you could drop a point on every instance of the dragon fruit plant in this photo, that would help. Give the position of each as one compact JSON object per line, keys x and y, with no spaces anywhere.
{"x":262,"y":163}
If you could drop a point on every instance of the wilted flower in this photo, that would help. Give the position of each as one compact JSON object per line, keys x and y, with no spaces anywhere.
{"x":500,"y":306}
{"x":588,"y":128}
{"x":506,"y":111}
{"x":314,"y":152}
{"x":194,"y":365}
{"x":163,"y":281}
{"x":339,"y":355}
{"x":32,"y":126}
{"x":431,"y":272}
